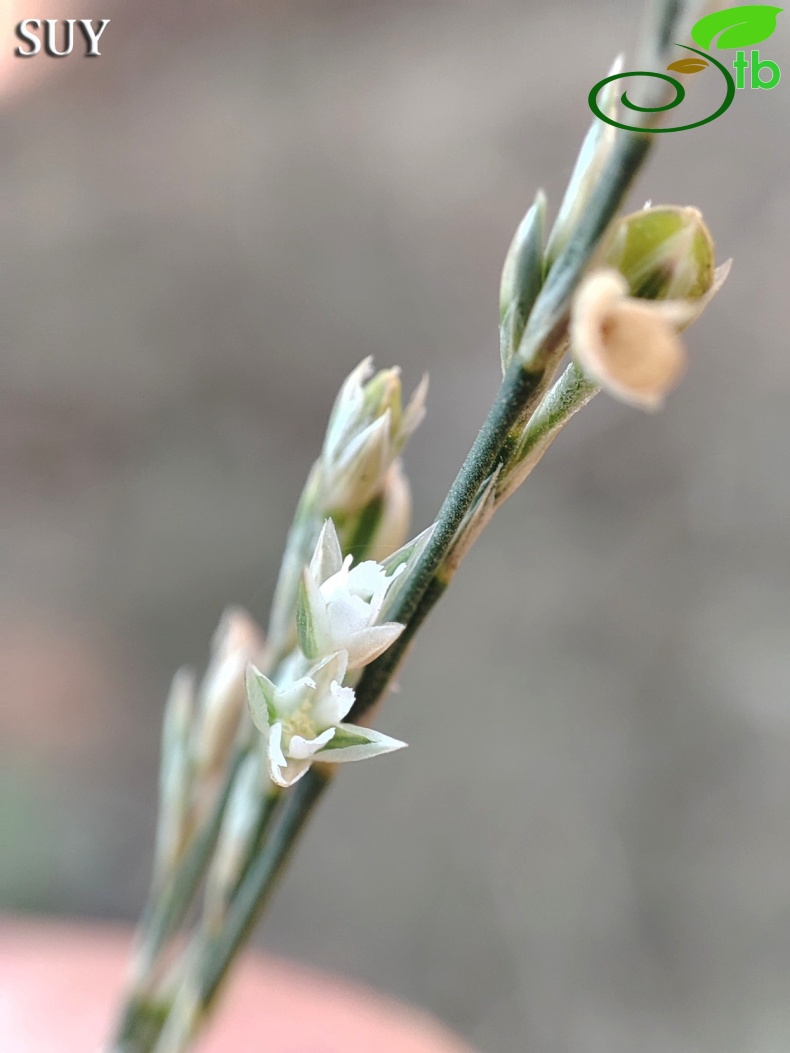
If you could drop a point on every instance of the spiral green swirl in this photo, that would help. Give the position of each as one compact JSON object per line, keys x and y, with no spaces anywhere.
{"x":680,"y":94}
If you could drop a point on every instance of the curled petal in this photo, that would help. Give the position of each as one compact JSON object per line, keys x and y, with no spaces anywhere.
{"x":628,"y":346}
{"x":300,"y":748}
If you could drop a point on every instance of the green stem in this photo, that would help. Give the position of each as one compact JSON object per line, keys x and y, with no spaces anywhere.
{"x":522,"y":388}
{"x":549,"y":317}
{"x":267,"y":813}
{"x":165,"y":911}
{"x":518,"y":386}
{"x":258,"y":883}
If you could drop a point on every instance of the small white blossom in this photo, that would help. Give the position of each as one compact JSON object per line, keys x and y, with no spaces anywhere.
{"x":302,"y":721}
{"x":339,"y":605}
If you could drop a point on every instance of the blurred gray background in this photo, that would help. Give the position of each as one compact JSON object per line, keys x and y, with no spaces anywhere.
{"x":587,"y":846}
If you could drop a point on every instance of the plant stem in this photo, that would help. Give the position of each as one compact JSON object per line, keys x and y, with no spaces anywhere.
{"x":258,"y":883}
{"x":518,"y":386}
{"x":522,"y":388}
{"x":168,"y":908}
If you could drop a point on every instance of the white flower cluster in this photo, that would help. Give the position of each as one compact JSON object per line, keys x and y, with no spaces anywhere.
{"x":339,"y":620}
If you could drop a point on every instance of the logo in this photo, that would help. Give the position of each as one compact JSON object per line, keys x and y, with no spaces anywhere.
{"x":737,"y":27}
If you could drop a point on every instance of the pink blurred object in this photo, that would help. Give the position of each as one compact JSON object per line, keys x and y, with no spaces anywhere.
{"x":58,"y":983}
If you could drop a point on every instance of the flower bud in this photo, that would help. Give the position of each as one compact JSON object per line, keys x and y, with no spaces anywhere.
{"x":223,"y":696}
{"x":522,"y":277}
{"x":368,"y":427}
{"x":382,"y":393}
{"x":175,"y":778}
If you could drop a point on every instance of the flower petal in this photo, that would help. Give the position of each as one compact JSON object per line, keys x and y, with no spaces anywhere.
{"x":414,"y":412}
{"x":345,"y":416}
{"x":337,"y":583}
{"x":274,"y":754}
{"x":260,"y":696}
{"x":331,"y":668}
{"x":366,"y":579}
{"x":394,"y":515}
{"x":327,"y":555}
{"x":627,"y":345}
{"x":370,"y":643}
{"x":684,"y":312}
{"x":359,"y":469}
{"x":348,"y":616}
{"x":292,"y":772}
{"x":289,"y":698}
{"x":406,"y":558}
{"x":333,"y":705}
{"x":351,"y":743}
{"x":312,"y":621}
{"x":300,"y":748}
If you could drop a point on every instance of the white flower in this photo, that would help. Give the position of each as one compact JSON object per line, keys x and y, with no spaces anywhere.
{"x":302,"y":721}
{"x":629,"y":345}
{"x":339,"y":606}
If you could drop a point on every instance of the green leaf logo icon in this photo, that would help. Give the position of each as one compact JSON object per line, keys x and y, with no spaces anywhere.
{"x":737,"y":27}
{"x":688,"y":65}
